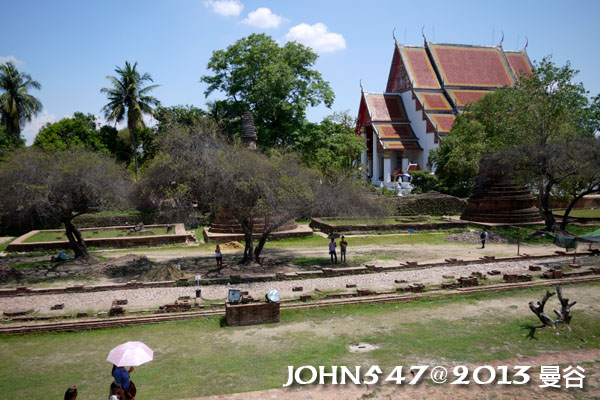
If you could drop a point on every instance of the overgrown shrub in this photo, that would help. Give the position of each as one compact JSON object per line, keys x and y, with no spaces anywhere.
{"x":431,"y":203}
{"x":424,"y":181}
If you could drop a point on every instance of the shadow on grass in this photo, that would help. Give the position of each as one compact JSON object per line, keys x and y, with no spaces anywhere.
{"x":532,"y":329}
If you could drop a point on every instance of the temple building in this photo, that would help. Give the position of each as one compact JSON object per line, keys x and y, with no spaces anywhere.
{"x":426,"y":87}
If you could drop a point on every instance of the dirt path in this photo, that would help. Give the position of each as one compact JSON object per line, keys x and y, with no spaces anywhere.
{"x":419,"y":252}
{"x":447,"y":391}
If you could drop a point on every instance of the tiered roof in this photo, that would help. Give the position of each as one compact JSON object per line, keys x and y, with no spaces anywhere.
{"x":387,"y":115}
{"x":443,"y":78}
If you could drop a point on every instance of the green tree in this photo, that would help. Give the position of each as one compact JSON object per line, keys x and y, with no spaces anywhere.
{"x":331,"y":146}
{"x":277,"y":83}
{"x":79,"y":130}
{"x":129,"y":98}
{"x":82,"y":130}
{"x":531,"y":124}
{"x":168,"y":117}
{"x":9,"y":142}
{"x":16,"y":104}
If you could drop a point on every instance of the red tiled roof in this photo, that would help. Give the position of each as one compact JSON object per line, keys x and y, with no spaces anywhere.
{"x":395,"y":131}
{"x":386,"y":107}
{"x":519,"y":63}
{"x":442,"y":121}
{"x":401,"y":145}
{"x":471,"y":66}
{"x":419,"y":67}
{"x":462,"y":97}
{"x":434,"y":101}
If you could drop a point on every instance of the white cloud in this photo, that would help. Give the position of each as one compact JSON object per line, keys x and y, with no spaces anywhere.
{"x":226,"y":8}
{"x":14,"y":59}
{"x":316,"y":36}
{"x":263,"y":18}
{"x":31,"y":129}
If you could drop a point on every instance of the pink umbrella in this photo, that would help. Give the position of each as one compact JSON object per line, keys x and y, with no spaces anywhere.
{"x":130,"y":354}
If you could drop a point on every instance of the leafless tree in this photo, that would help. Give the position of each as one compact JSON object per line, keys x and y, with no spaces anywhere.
{"x":59,"y":186}
{"x":564,"y":315}
{"x":196,"y":164}
{"x":538,"y":309}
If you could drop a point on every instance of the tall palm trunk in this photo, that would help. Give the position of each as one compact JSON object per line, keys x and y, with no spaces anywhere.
{"x":131,"y":126}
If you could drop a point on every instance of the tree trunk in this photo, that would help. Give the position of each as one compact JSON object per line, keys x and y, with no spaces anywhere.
{"x":545,"y":207}
{"x":267,"y":232}
{"x":75,"y":240}
{"x":261,"y":244}
{"x":131,"y":126}
{"x":565,"y":219}
{"x":539,"y":310}
{"x":565,"y":310}
{"x":135,"y":159}
{"x":248,"y":228}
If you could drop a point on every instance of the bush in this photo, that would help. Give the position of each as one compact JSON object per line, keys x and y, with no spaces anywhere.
{"x":432,"y":203}
{"x":424,"y":181}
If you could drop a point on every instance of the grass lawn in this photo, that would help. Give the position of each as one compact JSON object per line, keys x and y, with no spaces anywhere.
{"x":97,"y":234}
{"x":319,"y":241}
{"x":592,"y":213}
{"x":3,"y":245}
{"x":198,"y":357}
{"x":525,"y":231}
{"x":383,"y":221}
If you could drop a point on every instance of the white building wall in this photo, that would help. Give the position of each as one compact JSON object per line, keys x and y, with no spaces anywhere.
{"x":419,"y":126}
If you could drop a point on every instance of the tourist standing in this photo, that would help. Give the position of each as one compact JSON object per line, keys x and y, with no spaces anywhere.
{"x":219,"y":257}
{"x":343,"y":245}
{"x":332,"y":253}
{"x":483,"y":236}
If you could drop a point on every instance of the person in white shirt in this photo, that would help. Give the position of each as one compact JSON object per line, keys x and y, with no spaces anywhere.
{"x":332,"y":253}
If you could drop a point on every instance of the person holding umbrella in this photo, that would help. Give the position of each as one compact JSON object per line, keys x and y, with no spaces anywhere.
{"x":122,"y":377}
{"x":130,"y":354}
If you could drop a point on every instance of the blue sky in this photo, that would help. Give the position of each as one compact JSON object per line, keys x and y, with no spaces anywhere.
{"x":70,"y":46}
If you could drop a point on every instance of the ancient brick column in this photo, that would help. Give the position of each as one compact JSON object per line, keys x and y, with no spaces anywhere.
{"x":498,"y":199}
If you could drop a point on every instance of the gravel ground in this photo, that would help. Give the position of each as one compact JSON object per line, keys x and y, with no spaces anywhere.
{"x":153,"y":297}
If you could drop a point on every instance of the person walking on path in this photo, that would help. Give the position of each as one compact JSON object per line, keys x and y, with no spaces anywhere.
{"x":219,"y":257}
{"x":343,"y":245}
{"x":483,"y":236}
{"x":332,"y":253}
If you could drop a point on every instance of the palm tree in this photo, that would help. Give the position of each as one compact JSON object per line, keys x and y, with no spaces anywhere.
{"x":16,"y":104}
{"x":128,"y":96}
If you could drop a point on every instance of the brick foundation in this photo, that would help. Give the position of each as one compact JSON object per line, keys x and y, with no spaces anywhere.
{"x":251,"y":314}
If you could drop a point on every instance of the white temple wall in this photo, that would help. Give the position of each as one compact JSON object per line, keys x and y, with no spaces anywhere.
{"x":419,"y":126}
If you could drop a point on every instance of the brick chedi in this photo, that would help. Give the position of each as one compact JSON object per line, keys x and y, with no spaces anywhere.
{"x":498,"y":199}
{"x":248,"y":131}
